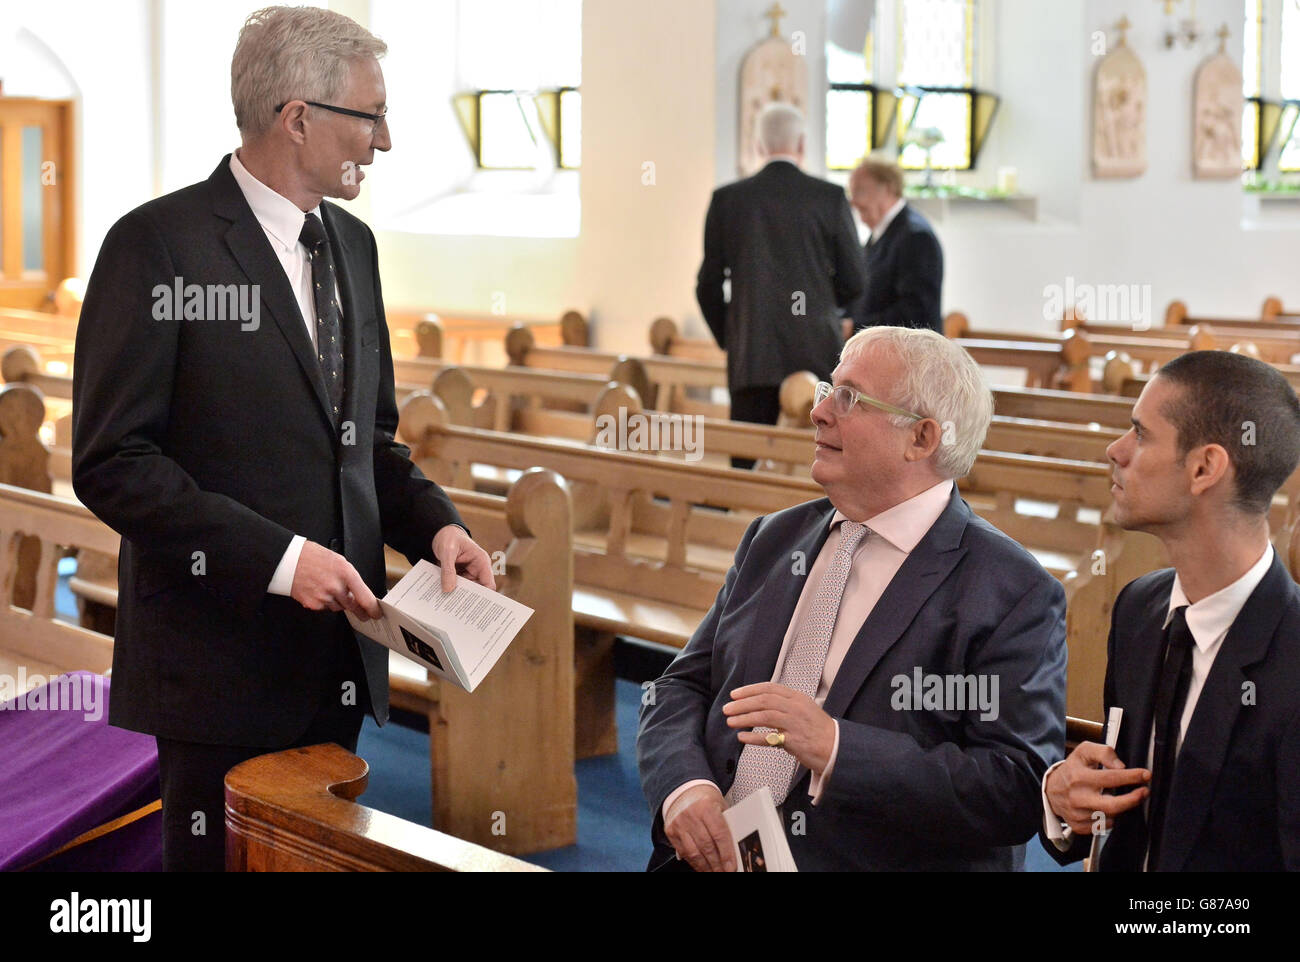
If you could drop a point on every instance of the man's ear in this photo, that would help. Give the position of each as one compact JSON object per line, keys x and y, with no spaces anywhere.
{"x":924,"y":441}
{"x":293,"y":121}
{"x":1207,"y":466}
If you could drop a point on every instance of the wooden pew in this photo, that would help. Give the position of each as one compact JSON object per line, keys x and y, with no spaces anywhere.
{"x":464,"y":334}
{"x":296,"y":811}
{"x":1270,"y":315}
{"x":1272,"y":344}
{"x":1273,"y":311}
{"x":667,"y":340}
{"x":525,"y":771}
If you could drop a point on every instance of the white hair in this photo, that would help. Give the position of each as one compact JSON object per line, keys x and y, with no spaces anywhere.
{"x":293,"y":53}
{"x":780,"y":127}
{"x":941,"y":381}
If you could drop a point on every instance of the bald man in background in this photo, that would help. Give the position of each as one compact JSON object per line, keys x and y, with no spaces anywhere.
{"x":788,"y":245}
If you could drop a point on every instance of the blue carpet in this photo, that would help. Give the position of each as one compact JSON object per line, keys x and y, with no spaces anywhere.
{"x":613,"y":819}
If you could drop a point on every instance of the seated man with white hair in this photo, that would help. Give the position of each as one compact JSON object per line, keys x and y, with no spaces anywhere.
{"x":890,"y":665}
{"x":787,"y":243}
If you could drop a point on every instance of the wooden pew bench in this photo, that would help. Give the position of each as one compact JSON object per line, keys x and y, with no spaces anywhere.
{"x":296,"y":811}
{"x":524,"y":770}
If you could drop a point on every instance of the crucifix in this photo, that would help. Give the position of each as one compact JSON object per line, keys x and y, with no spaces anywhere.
{"x":775,"y":13}
{"x":1223,"y":33}
{"x":1122,"y":27}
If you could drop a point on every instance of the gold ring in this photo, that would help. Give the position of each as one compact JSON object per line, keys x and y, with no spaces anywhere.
{"x":775,"y":739}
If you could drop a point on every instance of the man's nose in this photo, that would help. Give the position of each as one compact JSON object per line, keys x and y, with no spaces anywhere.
{"x":822,"y":415}
{"x":382,"y":140}
{"x":1114,"y":450}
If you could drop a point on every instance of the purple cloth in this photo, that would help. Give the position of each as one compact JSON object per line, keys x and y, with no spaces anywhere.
{"x":64,"y":771}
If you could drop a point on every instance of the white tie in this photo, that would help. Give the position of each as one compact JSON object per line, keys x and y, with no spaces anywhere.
{"x":802,"y":670}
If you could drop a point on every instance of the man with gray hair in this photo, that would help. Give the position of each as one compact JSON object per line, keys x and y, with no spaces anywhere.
{"x":239,"y":434}
{"x":889,"y":665}
{"x":787,"y":244}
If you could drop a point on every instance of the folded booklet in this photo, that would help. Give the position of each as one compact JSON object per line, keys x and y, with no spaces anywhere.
{"x":760,"y":840}
{"x":458,"y":635}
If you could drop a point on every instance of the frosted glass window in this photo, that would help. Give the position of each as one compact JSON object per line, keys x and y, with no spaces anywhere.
{"x":33,"y":201}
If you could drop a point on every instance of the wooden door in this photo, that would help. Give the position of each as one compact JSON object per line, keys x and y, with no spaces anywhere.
{"x":37,"y":218}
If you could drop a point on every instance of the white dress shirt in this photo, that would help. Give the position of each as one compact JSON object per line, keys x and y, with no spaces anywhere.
{"x":894,"y":534}
{"x":879,"y":230}
{"x":1208,"y":620}
{"x":282,"y":221}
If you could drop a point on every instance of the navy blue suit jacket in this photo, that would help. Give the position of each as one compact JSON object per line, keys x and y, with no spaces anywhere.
{"x":911,"y":789}
{"x":1235,"y":801}
{"x":904,"y":277}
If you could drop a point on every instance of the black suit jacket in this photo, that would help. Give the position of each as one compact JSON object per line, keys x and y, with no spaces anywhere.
{"x":788,"y":242}
{"x":1235,"y":801}
{"x":208,"y":447}
{"x":904,"y":276}
{"x":938,"y":788}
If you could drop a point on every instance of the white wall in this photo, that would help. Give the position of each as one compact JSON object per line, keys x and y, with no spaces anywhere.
{"x":1182,"y":237}
{"x":660,"y":84}
{"x":104,"y":51}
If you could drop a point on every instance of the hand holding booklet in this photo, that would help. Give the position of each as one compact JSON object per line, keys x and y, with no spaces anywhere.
{"x":756,"y":831}
{"x":458,"y":635}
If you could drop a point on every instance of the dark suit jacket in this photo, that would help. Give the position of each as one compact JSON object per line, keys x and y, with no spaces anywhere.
{"x":911,"y":789}
{"x":196,"y":436}
{"x":904,"y":276}
{"x":1235,"y":801}
{"x":778,"y":233}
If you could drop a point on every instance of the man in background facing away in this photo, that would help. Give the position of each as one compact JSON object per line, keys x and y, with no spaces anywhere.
{"x":788,"y":245}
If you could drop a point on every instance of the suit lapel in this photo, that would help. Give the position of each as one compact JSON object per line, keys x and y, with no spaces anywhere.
{"x":250,"y":248}
{"x":351,"y":314}
{"x":1200,"y":760}
{"x":926,"y":567}
{"x":780,"y":595}
{"x":1137,"y":668}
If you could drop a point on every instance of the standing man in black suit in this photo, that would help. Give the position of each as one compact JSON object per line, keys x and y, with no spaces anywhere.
{"x":234,"y":421}
{"x":789,"y":246}
{"x":1203,"y":658}
{"x":903,"y":257}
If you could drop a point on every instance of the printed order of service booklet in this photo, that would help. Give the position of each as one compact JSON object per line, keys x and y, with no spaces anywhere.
{"x":458,"y":636}
{"x":756,"y":831}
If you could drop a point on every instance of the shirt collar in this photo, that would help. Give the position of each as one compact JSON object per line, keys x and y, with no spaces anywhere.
{"x":905,"y":524}
{"x":1211,"y":617}
{"x":788,"y":158}
{"x":878,"y":231}
{"x":278,"y":215}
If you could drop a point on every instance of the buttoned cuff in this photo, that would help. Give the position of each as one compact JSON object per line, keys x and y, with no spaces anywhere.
{"x":1060,"y":834}
{"x":282,"y":580}
{"x":817,"y":783}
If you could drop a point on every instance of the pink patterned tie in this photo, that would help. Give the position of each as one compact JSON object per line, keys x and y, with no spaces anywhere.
{"x":802,"y":670}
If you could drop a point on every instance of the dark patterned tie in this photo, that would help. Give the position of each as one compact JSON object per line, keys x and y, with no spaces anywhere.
{"x":329,"y":329}
{"x":1171,"y":697}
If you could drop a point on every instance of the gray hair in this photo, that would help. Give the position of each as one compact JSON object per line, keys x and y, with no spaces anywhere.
{"x":779,"y":128}
{"x":293,"y":53}
{"x":941,"y":381}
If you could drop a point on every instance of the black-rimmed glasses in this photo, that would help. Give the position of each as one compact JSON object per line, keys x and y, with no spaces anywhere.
{"x":375,"y":119}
